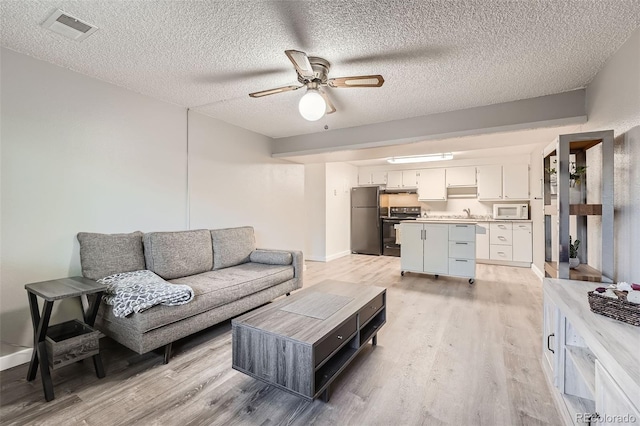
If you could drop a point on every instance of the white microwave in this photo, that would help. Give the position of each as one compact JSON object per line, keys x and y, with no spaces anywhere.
{"x":511,"y":211}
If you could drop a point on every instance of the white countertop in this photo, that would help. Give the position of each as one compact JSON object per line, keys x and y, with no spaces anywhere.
{"x":472,"y":220}
{"x":614,"y":343}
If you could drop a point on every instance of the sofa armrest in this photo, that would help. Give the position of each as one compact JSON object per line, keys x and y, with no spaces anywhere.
{"x":281,"y":257}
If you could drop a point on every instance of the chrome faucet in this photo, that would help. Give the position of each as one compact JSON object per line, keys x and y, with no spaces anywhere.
{"x":467,"y":211}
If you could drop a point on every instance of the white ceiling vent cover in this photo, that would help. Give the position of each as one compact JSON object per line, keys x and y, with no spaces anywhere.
{"x":68,"y":26}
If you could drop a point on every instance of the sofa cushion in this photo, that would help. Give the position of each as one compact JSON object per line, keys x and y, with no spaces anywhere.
{"x":102,"y":255}
{"x":178,"y":254}
{"x":232,"y":246}
{"x":271,"y":257}
{"x":212,"y":289}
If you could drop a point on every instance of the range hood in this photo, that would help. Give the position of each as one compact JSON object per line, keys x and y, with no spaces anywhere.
{"x":399,"y":191}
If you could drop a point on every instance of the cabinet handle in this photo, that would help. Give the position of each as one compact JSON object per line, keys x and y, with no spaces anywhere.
{"x":462,"y":243}
{"x":549,"y":342}
{"x":502,"y":227}
{"x":461,"y":226}
{"x":339,"y":337}
{"x":461,"y":260}
{"x":500,"y":237}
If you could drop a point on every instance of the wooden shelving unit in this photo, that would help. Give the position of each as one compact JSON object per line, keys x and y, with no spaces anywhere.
{"x":558,"y":209}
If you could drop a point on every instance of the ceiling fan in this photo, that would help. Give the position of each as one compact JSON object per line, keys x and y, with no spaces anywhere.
{"x":313,"y":74}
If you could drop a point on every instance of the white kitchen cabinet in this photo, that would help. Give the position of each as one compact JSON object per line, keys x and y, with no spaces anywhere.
{"x":379,"y":178}
{"x":482,"y":240}
{"x":364,"y":179}
{"x":438,"y":249}
{"x":401,"y":179}
{"x":550,"y":353}
{"x":611,"y":402}
{"x":409,"y":178}
{"x":501,"y":241}
{"x":590,"y":360}
{"x":394,"y":179}
{"x":424,"y":248}
{"x":508,"y":182}
{"x":489,"y":182}
{"x":431,"y":185}
{"x":461,"y":176}
{"x":522,"y":247}
{"x":515,"y":182}
{"x":462,"y":251}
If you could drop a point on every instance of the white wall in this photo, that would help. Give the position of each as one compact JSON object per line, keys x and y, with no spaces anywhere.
{"x":328,"y":210}
{"x":315,"y":212}
{"x":613,"y":102}
{"x":341,"y":177}
{"x":79,"y":154}
{"x":234,"y":181}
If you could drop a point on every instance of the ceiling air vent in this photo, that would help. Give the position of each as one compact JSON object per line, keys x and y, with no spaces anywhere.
{"x":68,"y":26}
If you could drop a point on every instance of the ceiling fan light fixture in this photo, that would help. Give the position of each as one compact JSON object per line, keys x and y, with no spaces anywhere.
{"x":421,"y":158}
{"x":312,"y":105}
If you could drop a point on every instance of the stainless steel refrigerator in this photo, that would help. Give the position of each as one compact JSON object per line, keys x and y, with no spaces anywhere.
{"x":365,"y":220}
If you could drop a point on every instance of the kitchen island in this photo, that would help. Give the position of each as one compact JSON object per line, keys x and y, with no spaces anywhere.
{"x":439,"y":247}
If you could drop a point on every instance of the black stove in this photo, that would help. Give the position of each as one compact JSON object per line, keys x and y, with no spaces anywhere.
{"x":390,"y":238}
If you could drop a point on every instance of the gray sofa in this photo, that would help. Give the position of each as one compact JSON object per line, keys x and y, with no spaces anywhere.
{"x":228,"y":275}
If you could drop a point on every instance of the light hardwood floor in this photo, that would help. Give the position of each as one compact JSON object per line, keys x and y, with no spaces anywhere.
{"x":450,"y":354}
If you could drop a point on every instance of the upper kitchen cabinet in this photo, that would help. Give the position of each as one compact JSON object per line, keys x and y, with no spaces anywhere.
{"x":364,"y":179}
{"x":394,"y":179}
{"x":400,"y":179}
{"x":379,"y":178}
{"x":509,"y":182}
{"x":515,"y":182}
{"x":489,"y":182}
{"x":460,"y":176}
{"x":410,"y":179}
{"x":431,"y":185}
{"x":373,"y":178}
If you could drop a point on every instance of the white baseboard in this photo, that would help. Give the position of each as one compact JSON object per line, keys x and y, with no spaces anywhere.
{"x":14,"y":359}
{"x":338,"y":255}
{"x":537,"y":271}
{"x":328,"y":258}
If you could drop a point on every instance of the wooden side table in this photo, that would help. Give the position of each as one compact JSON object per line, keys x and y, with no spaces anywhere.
{"x":51,"y":291}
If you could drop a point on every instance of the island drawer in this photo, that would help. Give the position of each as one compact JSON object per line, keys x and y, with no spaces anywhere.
{"x":462,"y":232}
{"x":371,"y":308}
{"x":462,"y":267}
{"x":334,"y":339}
{"x":462,"y":249}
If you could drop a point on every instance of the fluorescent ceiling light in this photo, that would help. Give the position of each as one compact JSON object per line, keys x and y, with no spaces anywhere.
{"x":420,"y":158}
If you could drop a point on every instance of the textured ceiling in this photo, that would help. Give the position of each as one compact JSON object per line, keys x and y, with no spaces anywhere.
{"x":435,"y":56}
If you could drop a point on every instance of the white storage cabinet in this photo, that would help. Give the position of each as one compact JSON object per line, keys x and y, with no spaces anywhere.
{"x":431,"y":185}
{"x":439,"y":249}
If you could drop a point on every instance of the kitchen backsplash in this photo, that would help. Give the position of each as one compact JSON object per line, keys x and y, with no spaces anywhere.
{"x":453,"y":206}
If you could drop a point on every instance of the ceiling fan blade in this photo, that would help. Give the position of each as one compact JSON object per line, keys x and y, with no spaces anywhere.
{"x":301,"y":63}
{"x":357,"y":81}
{"x":330,"y":108}
{"x":274,"y":91}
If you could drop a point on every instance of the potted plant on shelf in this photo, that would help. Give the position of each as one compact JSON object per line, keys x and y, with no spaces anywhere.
{"x":574,"y":261}
{"x":575,"y":174}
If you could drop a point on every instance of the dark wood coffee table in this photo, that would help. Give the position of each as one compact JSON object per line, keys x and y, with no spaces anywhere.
{"x":302,"y":342}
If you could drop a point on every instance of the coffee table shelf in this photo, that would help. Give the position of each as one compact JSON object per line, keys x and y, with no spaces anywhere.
{"x":303,"y":342}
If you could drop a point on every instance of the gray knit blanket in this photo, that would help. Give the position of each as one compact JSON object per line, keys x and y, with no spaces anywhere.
{"x":136,"y":291}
